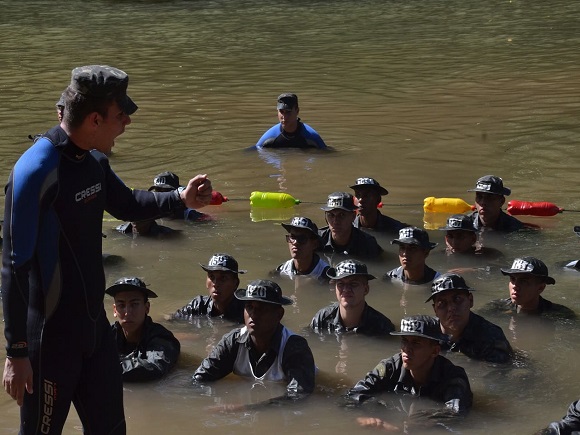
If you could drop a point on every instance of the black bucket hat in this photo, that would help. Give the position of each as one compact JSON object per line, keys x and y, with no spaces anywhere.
{"x":130,"y":284}
{"x":421,"y":326}
{"x":166,"y":180}
{"x":491,"y":184}
{"x":414,"y":236}
{"x":263,"y":290}
{"x":366,"y":182}
{"x":301,"y":222}
{"x":448,"y":281}
{"x":340,"y":200}
{"x":459,"y":222}
{"x":349,"y":268}
{"x":530,"y":265}
{"x":223,"y":262}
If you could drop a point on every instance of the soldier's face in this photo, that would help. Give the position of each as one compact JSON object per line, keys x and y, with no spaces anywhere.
{"x":418,"y":353}
{"x":452,"y":307}
{"x":525,"y":290}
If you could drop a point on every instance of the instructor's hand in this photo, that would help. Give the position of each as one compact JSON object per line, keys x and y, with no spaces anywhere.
{"x":197,"y":193}
{"x":17,"y":377}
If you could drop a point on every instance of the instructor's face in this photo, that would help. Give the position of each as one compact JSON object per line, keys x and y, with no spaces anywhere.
{"x":111,"y":126}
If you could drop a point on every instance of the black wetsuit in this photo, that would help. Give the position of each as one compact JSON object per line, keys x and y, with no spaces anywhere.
{"x":53,"y":281}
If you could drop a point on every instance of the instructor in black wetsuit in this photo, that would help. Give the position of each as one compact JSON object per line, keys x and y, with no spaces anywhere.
{"x":59,"y":344}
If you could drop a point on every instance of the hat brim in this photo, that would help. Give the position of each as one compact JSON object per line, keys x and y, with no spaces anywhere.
{"x":413,"y":241}
{"x":505,"y":192}
{"x":471,"y":229}
{"x":577,"y":230}
{"x":161,"y":186}
{"x":339,"y":277}
{"x":288,"y":227}
{"x":127,"y":105}
{"x":327,"y":208}
{"x":381,"y":189}
{"x":547,"y":279}
{"x":117,"y":288}
{"x":467,"y":289}
{"x":418,"y":334}
{"x":284,"y":106}
{"x":221,"y":269}
{"x":240,"y":294}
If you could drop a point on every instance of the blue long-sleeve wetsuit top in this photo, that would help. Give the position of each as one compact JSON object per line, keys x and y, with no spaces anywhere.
{"x":52,"y":274}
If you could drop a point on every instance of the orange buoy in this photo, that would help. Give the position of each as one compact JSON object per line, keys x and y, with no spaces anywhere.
{"x":533,"y":208}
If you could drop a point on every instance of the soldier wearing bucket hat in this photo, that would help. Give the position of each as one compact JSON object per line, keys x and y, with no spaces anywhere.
{"x":468,"y":332}
{"x":368,"y":192}
{"x":63,"y":184}
{"x":528,"y":277}
{"x":291,"y":132}
{"x":418,"y":370}
{"x":168,"y":181}
{"x":222,"y":281}
{"x":147,"y":350}
{"x":351,"y":312}
{"x":490,"y":196}
{"x":340,"y":236}
{"x":303,"y":242}
{"x":461,"y":242}
{"x":263,"y":349}
{"x":414,"y":248}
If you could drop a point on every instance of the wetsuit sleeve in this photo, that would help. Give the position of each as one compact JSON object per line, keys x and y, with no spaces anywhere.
{"x":313,"y":138}
{"x":270,"y":135}
{"x":135,"y":205}
{"x":377,"y":380}
{"x":28,"y":187}
{"x":298,"y":366}
{"x":221,"y":359}
{"x":160,"y":355}
{"x":570,"y":422}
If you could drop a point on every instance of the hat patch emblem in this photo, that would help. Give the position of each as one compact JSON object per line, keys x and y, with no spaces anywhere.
{"x":335,"y":202}
{"x":365,"y":181}
{"x":345,"y":268}
{"x":454,"y":223}
{"x":412,"y":326}
{"x":299,"y":222}
{"x":256,"y":290}
{"x":522,"y":265}
{"x":218,"y":260}
{"x":483,"y":186}
{"x":406,"y":233}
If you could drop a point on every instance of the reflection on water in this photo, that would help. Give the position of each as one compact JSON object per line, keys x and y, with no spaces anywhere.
{"x":426,"y":97}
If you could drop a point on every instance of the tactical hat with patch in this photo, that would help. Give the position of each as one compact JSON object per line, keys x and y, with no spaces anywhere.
{"x":414,"y":236}
{"x":530,"y":265}
{"x":421,"y":326}
{"x":130,"y":284}
{"x":448,"y":281}
{"x":340,"y":200}
{"x":459,"y":222}
{"x":301,"y":222}
{"x":103,"y":81}
{"x":165,"y":181}
{"x":222,"y":262}
{"x":577,"y":230}
{"x":263,"y":290}
{"x":369,"y":183}
{"x":287,"y":101}
{"x":491,"y":184}
{"x":349,"y":268}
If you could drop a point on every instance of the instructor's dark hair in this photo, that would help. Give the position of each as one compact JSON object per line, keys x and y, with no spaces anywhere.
{"x":79,"y":106}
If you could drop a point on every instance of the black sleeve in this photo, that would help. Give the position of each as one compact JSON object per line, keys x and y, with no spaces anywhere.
{"x":570,"y":422}
{"x":220,"y":361}
{"x":298,"y":366}
{"x":377,"y":380}
{"x":158,"y":358}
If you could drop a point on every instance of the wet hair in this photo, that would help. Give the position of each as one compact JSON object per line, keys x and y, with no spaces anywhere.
{"x":79,"y":106}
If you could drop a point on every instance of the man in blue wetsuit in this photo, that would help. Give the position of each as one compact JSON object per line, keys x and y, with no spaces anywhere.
{"x":290,"y":132}
{"x":59,"y":343}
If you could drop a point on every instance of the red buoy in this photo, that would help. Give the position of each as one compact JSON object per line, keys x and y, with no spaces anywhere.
{"x":217,"y":198}
{"x":533,"y":208}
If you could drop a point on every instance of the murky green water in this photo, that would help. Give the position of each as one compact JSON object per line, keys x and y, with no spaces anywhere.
{"x":424,"y":96}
